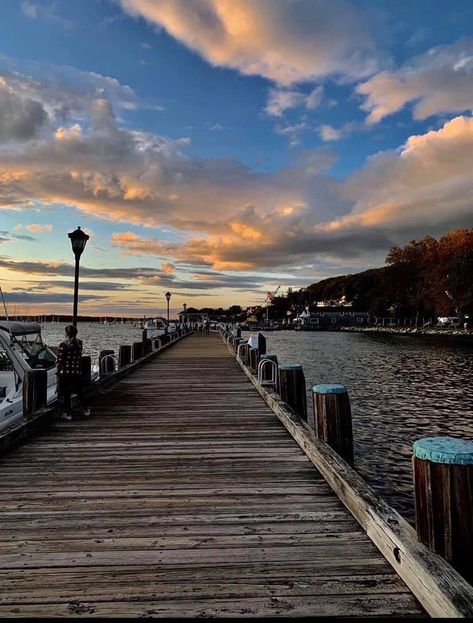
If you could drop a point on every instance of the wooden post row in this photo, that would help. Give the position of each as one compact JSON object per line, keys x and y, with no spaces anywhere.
{"x":292,"y":388}
{"x":332,"y":419}
{"x":35,"y":383}
{"x":443,"y":484}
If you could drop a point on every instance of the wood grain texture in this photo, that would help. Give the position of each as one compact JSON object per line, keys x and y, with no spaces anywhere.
{"x":182,"y":495}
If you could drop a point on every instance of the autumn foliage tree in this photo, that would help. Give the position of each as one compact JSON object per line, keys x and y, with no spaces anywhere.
{"x":424,"y":278}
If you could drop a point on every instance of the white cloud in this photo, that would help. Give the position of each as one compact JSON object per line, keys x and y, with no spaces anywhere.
{"x":329,"y":133}
{"x":283,"y":41}
{"x":438,"y":82}
{"x":280,"y":100}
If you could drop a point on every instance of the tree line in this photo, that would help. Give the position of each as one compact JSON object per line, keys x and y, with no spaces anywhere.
{"x":425,"y":278}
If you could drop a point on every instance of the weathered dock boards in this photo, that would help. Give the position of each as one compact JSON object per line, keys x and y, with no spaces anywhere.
{"x":182,"y":495}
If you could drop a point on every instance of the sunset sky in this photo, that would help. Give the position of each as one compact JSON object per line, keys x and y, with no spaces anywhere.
{"x":219,"y":148}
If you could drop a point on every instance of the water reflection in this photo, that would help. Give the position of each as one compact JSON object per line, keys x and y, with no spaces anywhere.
{"x":401,"y":388}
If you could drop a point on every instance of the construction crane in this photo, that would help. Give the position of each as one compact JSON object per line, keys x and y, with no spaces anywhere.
{"x":270,"y":296}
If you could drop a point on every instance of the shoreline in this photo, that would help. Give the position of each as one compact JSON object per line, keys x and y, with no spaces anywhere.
{"x":424,"y":331}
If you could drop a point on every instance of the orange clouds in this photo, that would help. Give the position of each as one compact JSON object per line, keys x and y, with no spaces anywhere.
{"x":439,"y":81}
{"x":286,"y":42}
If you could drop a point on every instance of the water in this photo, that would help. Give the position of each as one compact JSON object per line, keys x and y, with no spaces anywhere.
{"x":401,"y":388}
{"x":95,"y":336}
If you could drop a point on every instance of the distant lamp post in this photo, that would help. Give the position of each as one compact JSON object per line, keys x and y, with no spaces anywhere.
{"x":168,"y":298}
{"x":185,"y":314}
{"x":78,"y":241}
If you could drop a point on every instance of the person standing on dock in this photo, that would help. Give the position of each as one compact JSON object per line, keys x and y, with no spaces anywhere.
{"x":207,"y":327}
{"x":69,"y":372}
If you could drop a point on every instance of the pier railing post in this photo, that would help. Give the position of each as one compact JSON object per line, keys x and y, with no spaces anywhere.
{"x":106,"y":364}
{"x":137,"y":350}
{"x":35,"y":384}
{"x":443,"y":486}
{"x":236,"y":342}
{"x":332,"y":419}
{"x":267,"y":373}
{"x":253,"y":359}
{"x":124,"y":355}
{"x":292,"y":388}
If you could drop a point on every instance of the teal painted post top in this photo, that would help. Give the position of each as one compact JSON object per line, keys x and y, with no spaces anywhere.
{"x":290,"y":366}
{"x":332,"y":388}
{"x":446,"y":450}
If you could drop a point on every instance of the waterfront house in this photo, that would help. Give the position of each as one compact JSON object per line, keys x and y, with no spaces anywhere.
{"x":332,"y":317}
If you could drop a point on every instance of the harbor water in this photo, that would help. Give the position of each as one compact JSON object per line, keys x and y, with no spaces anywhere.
{"x":401,"y":388}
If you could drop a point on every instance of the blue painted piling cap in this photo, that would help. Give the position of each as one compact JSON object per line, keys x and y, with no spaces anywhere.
{"x":290,"y":366}
{"x":332,"y":388}
{"x":446,"y":450}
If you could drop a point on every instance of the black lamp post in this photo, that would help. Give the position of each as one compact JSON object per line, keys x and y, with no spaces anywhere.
{"x":78,"y":241}
{"x":168,"y":298}
{"x":185,"y":314}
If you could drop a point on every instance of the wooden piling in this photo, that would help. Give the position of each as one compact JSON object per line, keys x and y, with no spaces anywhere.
{"x":137,"y":350}
{"x":292,"y":388}
{"x":332,"y":419}
{"x":443,"y":485}
{"x":35,"y":383}
{"x":124,"y":355}
{"x":253,"y":359}
{"x":147,"y":346}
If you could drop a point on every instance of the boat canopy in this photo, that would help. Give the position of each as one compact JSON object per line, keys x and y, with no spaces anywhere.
{"x":19,"y":328}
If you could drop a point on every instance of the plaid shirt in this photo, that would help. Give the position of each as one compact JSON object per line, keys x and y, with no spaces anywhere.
{"x":68,"y":360}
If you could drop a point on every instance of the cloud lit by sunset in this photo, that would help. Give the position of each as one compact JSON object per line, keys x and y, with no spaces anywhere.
{"x":216,"y":148}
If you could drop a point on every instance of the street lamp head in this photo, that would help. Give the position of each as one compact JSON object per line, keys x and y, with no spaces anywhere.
{"x":184,"y":305}
{"x":78,"y":241}
{"x":168,"y":296}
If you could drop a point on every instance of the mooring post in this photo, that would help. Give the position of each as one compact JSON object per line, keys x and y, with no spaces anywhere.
{"x":332,"y":419}
{"x":147,"y":346}
{"x":236,"y":342}
{"x":137,"y":350}
{"x":261,"y":344}
{"x":443,"y":486}
{"x":106,"y":366}
{"x":266,"y":372}
{"x":124,"y":355}
{"x":35,"y":385}
{"x":292,"y":388}
{"x":253,"y":359}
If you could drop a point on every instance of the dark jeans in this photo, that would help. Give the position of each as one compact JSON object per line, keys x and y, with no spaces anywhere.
{"x":68,"y":385}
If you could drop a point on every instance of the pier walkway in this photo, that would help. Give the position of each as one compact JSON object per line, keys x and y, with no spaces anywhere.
{"x":182,"y":495}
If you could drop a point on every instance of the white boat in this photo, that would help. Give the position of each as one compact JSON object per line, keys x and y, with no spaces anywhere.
{"x":155,"y":327}
{"x":21,"y":349}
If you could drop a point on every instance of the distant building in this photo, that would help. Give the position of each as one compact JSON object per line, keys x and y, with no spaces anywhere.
{"x":329,"y":317}
{"x":192,"y":315}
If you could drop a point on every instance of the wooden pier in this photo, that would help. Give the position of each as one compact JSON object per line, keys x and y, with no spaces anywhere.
{"x":182,"y":495}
